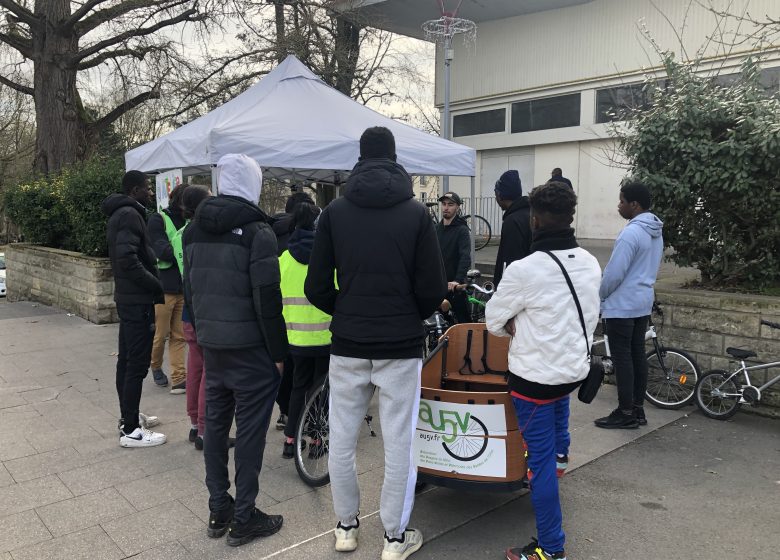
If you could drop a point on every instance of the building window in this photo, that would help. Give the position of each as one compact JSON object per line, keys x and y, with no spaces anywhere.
{"x":543,"y":114}
{"x":613,"y":103}
{"x":482,"y":122}
{"x":769,"y":78}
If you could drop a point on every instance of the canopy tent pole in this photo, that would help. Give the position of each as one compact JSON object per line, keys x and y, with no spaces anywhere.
{"x":214,"y":180}
{"x":471,"y":219}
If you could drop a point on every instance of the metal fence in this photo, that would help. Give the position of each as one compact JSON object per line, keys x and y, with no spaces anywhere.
{"x":485,"y":206}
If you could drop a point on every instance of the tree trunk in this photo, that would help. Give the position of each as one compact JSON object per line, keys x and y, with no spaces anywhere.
{"x":347,"y":51}
{"x":60,"y":136}
{"x":281,"y":35}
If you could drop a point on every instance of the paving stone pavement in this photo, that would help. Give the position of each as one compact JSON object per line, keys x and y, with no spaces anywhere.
{"x":67,"y":490}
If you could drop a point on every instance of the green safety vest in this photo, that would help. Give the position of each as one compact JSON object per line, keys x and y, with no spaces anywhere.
{"x":306,"y":325}
{"x":175,"y":237}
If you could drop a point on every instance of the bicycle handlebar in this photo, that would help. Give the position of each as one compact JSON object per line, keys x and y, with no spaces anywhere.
{"x":476,"y":287}
{"x":770,"y":324}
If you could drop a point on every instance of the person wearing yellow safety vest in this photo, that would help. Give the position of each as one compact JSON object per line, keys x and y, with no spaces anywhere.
{"x":308,"y":328}
{"x":163,"y":228}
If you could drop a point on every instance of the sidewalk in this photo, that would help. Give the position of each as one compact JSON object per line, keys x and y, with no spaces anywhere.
{"x":67,"y":490}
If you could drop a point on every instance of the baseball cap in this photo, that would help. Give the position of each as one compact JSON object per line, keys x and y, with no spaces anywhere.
{"x":451,"y":196}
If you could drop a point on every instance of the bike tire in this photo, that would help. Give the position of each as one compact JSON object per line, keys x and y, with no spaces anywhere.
{"x":671,"y":386}
{"x":482,"y":231}
{"x":717,"y":407}
{"x":312,"y":462}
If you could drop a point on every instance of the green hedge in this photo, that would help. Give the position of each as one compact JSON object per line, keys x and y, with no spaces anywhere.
{"x":63,"y":210}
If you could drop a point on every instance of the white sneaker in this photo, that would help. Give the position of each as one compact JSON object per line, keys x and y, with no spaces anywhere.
{"x":346,"y":537}
{"x":147,"y":421}
{"x":141,"y":437}
{"x":397,"y":550}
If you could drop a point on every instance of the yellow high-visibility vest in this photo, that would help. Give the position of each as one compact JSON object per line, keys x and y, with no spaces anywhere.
{"x":306,"y":325}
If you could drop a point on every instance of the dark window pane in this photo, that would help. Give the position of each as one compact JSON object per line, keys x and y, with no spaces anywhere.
{"x":612,"y":103}
{"x":479,"y":123}
{"x":542,"y":114}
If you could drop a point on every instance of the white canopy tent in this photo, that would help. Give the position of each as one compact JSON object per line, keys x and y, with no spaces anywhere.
{"x":296,"y":127}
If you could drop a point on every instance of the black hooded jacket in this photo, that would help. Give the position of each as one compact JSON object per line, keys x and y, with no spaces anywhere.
{"x":232,"y":277}
{"x":383,"y":247}
{"x":282,"y":225}
{"x":132,"y":258}
{"x":515,"y":237}
{"x":161,"y":245}
{"x":455,"y":243}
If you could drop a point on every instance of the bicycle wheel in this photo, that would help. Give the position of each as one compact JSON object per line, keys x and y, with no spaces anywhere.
{"x":672,"y":379}
{"x":312,"y":461}
{"x":717,"y":395}
{"x":481,"y":229}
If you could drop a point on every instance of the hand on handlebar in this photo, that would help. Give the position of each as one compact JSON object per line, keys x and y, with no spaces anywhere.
{"x":452,"y":286}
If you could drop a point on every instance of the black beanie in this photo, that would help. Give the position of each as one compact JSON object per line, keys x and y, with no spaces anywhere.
{"x":377,"y":142}
{"x":508,"y":186}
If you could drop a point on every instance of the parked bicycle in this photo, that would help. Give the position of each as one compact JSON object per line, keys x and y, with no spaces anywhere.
{"x":720,"y":394}
{"x":479,"y":225}
{"x":671,"y":374}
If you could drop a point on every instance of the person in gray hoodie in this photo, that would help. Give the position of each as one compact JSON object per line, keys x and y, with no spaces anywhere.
{"x":627,"y":299}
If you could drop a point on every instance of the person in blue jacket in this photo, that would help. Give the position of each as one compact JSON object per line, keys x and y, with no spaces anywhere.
{"x":627,"y":300}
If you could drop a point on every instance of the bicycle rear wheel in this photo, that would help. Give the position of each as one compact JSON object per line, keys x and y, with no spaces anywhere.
{"x":671,"y":377}
{"x":312,"y":461}
{"x":481,"y":229}
{"x":717,"y":395}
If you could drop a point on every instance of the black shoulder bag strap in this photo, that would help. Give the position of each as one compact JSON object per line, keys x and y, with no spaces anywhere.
{"x":576,"y":300}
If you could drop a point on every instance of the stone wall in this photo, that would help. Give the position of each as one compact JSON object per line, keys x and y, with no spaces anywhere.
{"x":705,"y":323}
{"x":71,"y":281}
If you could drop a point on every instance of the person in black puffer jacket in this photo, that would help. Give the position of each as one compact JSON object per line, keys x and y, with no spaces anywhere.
{"x":382,"y":246}
{"x":136,"y":289}
{"x":231,"y":285}
{"x":516,"y":228}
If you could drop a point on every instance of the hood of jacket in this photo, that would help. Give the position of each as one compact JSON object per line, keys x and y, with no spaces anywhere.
{"x":239,"y":175}
{"x":114,"y":202}
{"x":459,"y":221}
{"x":223,"y":213}
{"x":648,"y":222}
{"x":517,"y":205}
{"x":378,"y":183}
{"x":282,"y":224}
{"x":300,"y":245}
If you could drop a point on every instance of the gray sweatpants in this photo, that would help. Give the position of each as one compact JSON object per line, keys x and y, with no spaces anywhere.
{"x":351,"y":385}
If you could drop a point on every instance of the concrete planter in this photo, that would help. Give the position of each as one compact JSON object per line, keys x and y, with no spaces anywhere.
{"x":71,"y":281}
{"x":706,"y":323}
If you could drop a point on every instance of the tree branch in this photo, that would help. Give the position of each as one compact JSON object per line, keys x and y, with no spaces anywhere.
{"x":21,"y":12}
{"x":24,"y":46}
{"x":13,"y":85}
{"x":113,"y":12}
{"x":123,"y":108}
{"x":139,"y":53}
{"x":99,"y":46}
{"x":81,"y":12}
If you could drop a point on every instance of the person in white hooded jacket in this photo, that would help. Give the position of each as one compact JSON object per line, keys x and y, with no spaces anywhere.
{"x":548,"y":354}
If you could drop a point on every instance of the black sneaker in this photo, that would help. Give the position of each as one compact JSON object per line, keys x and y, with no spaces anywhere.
{"x":160,"y":379}
{"x":259,"y":525}
{"x":193,"y":435}
{"x":289,"y":449}
{"x":281,"y":422}
{"x":198,"y":443}
{"x":219,"y":521}
{"x":639,"y":413}
{"x":317,"y":450}
{"x":179,"y":388}
{"x":533,"y":551}
{"x":618,"y":420}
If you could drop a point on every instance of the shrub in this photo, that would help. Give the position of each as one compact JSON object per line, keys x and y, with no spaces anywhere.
{"x":35,"y":206}
{"x":84,"y":186}
{"x":711,"y":155}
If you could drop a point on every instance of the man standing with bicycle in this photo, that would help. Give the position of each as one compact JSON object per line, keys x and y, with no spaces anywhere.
{"x":627,"y":301}
{"x":455,"y":242}
{"x":548,"y":303}
{"x":382,"y":246}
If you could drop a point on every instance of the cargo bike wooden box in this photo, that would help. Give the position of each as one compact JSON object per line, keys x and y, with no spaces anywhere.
{"x":467,"y":435}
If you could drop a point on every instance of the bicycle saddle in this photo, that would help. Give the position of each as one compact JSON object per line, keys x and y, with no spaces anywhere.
{"x":740,"y":354}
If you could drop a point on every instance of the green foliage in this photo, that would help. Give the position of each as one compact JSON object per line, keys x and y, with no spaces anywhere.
{"x":35,"y":206}
{"x":63,"y":210}
{"x":711,"y":156}
{"x":85,"y":185}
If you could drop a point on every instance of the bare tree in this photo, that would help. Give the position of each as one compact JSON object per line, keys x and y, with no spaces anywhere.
{"x":51,"y":44}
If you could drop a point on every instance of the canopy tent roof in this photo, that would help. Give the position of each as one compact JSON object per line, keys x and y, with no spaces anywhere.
{"x":295,"y":126}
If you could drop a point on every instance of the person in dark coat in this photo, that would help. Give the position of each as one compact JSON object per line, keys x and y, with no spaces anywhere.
{"x":455,"y":243}
{"x":283,"y":226}
{"x":516,"y":228}
{"x":231,"y":284}
{"x":162,"y":227}
{"x":382,"y":246}
{"x":556,"y":176}
{"x":137,"y":288}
